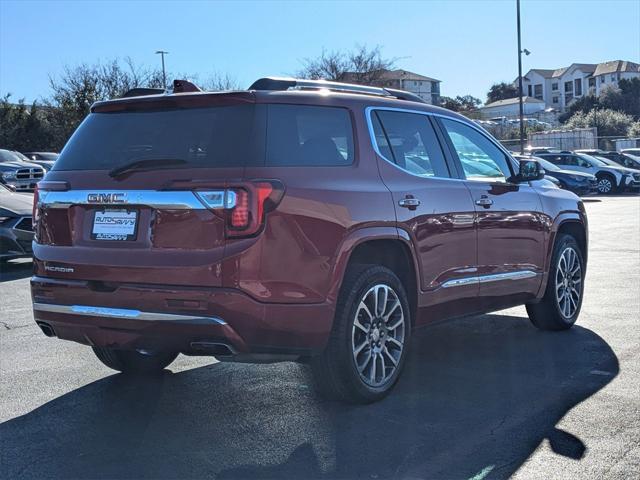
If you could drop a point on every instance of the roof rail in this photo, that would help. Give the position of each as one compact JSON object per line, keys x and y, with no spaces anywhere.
{"x":278,"y":83}
{"x":142,"y":91}
{"x":404,"y":95}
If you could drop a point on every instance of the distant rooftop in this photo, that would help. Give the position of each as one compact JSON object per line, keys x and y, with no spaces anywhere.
{"x":511,"y":101}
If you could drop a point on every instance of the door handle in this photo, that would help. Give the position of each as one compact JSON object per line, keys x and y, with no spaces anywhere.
{"x":409,"y":202}
{"x":484,"y":201}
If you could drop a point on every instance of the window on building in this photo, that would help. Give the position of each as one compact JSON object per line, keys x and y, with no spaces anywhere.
{"x":554,"y":86}
{"x":578,"y":86}
{"x":537,"y":91}
{"x":613,"y":77}
{"x":568,"y":87}
{"x":603,"y":79}
{"x":530,"y":90}
{"x":592,"y":82}
{"x":555,"y":99}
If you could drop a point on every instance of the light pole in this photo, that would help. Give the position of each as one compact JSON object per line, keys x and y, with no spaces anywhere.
{"x":164,"y":74}
{"x":520,"y":80}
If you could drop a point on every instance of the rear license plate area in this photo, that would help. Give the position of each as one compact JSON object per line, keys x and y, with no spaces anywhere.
{"x":114,"y":225}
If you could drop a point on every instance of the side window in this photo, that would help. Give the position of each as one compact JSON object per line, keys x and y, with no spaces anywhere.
{"x":308,"y":136}
{"x":581,"y":162}
{"x":408,"y":139}
{"x":481,"y":159}
{"x":567,"y":160}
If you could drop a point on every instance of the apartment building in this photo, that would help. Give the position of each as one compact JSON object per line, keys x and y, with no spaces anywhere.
{"x":425,"y":87}
{"x":558,"y":88}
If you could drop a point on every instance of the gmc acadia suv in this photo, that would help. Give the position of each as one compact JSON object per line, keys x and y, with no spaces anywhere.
{"x":299,"y":220}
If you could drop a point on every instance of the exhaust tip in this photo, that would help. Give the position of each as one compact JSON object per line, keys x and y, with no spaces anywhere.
{"x":46,"y":329}
{"x":214,"y":348}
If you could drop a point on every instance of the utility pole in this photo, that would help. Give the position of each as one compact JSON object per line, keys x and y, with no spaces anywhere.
{"x":164,"y":73}
{"x":520,"y":80}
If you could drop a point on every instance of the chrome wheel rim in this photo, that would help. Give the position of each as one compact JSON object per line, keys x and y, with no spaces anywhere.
{"x":378,"y":334}
{"x":568,"y":282}
{"x":604,"y":185}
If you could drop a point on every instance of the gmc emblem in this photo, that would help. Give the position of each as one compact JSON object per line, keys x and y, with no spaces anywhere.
{"x":106,"y":198}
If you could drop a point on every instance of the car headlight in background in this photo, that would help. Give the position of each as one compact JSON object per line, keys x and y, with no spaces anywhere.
{"x":9,"y":175}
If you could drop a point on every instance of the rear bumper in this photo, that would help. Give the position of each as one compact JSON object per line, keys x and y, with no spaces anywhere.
{"x":149,"y":317}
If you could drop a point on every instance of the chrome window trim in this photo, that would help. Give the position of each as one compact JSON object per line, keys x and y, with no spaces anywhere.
{"x":123,"y":313}
{"x":494,"y":277}
{"x":483,"y":132}
{"x":169,"y":200}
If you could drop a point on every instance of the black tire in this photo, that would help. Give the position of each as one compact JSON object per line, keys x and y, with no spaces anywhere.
{"x":606,"y":184}
{"x":131,"y":361}
{"x":548,"y":314}
{"x":335,"y":371}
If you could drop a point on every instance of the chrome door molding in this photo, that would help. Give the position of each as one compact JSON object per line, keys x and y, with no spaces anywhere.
{"x":169,"y":200}
{"x":494,"y":277}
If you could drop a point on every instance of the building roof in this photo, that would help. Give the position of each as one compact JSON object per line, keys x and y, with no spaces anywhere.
{"x":404,"y":75}
{"x":616,"y":66}
{"x":546,"y":73}
{"x":511,"y":101}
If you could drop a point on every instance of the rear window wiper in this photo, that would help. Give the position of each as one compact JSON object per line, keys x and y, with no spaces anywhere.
{"x":148,"y":163}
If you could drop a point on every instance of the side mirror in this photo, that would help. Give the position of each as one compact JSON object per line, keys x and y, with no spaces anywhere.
{"x":529,"y":170}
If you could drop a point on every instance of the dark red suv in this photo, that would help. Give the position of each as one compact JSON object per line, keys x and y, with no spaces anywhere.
{"x":298,"y":220}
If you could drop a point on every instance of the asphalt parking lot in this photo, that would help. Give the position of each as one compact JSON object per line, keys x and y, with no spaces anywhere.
{"x":482,"y":397}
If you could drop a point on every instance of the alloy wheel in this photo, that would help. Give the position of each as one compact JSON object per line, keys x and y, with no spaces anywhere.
{"x":568,"y":282}
{"x":378,"y":335}
{"x":604,"y":185}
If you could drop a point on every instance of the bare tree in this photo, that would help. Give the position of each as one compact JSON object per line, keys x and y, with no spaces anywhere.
{"x":362,"y":65}
{"x":218,"y":82}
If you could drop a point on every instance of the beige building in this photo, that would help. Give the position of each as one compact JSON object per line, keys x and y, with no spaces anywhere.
{"x":558,"y":88}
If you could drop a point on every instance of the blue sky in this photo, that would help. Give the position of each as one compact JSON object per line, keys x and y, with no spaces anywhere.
{"x":467,"y":44}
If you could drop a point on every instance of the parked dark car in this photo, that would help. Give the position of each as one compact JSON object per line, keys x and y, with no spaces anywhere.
{"x":576,"y":182}
{"x":611,"y":177}
{"x":23,"y":176}
{"x":16,"y":231}
{"x":300,"y":220}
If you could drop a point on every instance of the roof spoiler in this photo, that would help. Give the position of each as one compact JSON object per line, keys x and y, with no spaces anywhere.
{"x":279,"y":84}
{"x":142,"y":92}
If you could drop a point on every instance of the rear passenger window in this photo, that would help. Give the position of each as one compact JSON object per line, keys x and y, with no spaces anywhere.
{"x":409,"y":141}
{"x":308,"y":136}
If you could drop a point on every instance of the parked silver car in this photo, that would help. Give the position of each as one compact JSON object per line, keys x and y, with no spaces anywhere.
{"x":21,"y":175}
{"x":16,"y":229}
{"x":611,"y":178}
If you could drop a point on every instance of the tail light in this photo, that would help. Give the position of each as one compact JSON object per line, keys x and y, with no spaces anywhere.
{"x":245,"y":205}
{"x":35,"y":210}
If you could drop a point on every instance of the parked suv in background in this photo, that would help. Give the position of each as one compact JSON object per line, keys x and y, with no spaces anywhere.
{"x":16,"y":231}
{"x":577,"y":182}
{"x":611,"y":178}
{"x":299,"y":220}
{"x":622,"y":159}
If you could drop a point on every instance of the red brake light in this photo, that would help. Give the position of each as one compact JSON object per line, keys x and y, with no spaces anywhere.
{"x":239,"y":218}
{"x":253,"y":201}
{"x":244,"y":205}
{"x":34,"y":211}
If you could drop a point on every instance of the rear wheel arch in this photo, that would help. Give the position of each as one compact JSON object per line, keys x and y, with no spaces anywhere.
{"x":395,"y":255}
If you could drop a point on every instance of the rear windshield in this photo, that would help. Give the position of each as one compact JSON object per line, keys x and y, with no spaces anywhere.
{"x":226,"y":136}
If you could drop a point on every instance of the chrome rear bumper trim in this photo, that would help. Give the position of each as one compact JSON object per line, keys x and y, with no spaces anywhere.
{"x":124,"y":313}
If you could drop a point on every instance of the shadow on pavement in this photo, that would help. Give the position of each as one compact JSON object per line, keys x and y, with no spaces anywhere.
{"x":477,"y":398}
{"x":15,"y":269}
